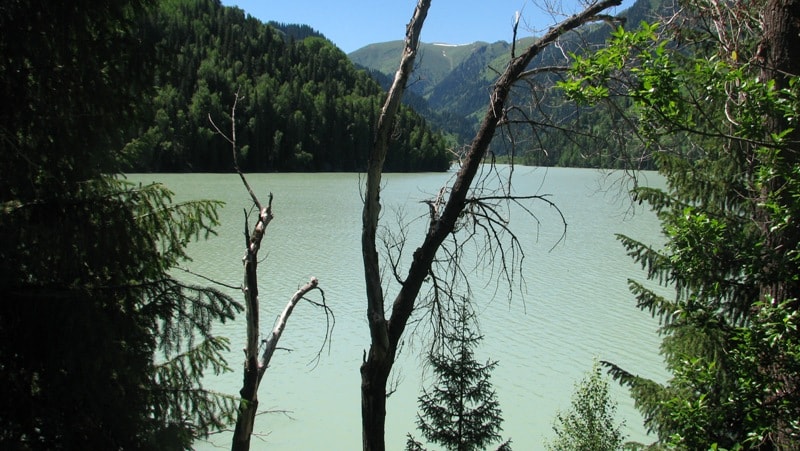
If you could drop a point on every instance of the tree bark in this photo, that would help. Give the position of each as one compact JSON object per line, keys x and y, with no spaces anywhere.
{"x":385,"y":335}
{"x":779,"y":54}
{"x":254,"y":368}
{"x":248,"y":404}
{"x":377,"y":365}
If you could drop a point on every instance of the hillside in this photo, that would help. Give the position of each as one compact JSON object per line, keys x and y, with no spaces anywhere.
{"x":452,"y":83}
{"x":448,"y":79}
{"x":435,"y":63}
{"x":303,"y":105}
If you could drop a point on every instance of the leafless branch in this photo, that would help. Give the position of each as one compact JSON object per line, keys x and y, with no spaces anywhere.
{"x":330,"y":322}
{"x":208,"y":279}
{"x":444,"y":223}
{"x":254,"y":368}
{"x":272,"y":340}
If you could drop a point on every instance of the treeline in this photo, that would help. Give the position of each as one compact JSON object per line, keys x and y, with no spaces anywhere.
{"x":303,"y":105}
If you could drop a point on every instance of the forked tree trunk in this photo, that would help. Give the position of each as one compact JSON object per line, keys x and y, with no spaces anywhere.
{"x":386,"y":334}
{"x":254,"y":372}
{"x":255,"y":367}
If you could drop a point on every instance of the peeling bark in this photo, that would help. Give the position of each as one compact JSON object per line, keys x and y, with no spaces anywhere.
{"x":377,"y":365}
{"x":253,"y":372}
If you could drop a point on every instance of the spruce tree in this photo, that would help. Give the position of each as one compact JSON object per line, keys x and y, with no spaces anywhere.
{"x":100,"y":346}
{"x":461,"y":411}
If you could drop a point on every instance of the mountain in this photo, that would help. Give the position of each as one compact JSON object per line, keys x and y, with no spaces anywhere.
{"x":302,"y":104}
{"x":435,"y":61}
{"x":452,"y":82}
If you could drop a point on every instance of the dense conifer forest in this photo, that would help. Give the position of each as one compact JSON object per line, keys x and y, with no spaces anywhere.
{"x":304,"y":106}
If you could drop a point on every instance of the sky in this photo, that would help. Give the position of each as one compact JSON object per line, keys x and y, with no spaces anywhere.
{"x":352,"y":24}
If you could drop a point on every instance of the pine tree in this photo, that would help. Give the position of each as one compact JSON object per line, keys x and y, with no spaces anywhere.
{"x":461,"y":411}
{"x":292,"y":82}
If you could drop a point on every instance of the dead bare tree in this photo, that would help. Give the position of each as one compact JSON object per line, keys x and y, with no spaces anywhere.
{"x":255,"y":366}
{"x":444,"y":217}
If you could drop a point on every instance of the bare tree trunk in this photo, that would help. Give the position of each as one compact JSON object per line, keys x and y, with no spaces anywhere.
{"x":376,"y":367}
{"x":254,"y":368}
{"x":385,"y":335}
{"x":248,"y":404}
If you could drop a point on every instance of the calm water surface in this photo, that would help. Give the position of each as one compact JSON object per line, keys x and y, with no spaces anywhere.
{"x":574,"y":304}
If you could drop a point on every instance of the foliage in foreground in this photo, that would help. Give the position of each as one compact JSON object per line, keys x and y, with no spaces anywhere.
{"x":590,"y":422}
{"x":100,"y":347}
{"x":718,"y":112}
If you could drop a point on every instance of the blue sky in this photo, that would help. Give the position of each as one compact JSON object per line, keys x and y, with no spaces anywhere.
{"x":352,"y":24}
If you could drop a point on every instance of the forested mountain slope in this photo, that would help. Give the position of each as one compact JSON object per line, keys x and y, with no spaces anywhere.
{"x":452,"y":84}
{"x":303,"y":105}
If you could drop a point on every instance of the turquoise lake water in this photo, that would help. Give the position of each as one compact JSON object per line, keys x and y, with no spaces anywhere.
{"x":571,"y":304}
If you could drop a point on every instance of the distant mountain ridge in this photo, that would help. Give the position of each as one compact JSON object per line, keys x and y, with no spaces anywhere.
{"x":452,"y":81}
{"x":448,"y":81}
{"x":436,"y":61}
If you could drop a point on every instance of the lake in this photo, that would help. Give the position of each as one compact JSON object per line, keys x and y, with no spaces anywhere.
{"x":573,"y":305}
